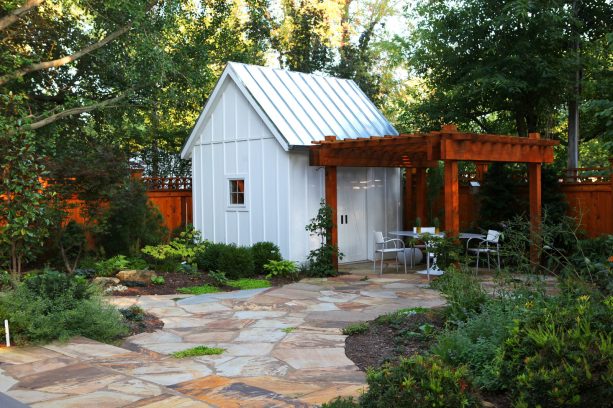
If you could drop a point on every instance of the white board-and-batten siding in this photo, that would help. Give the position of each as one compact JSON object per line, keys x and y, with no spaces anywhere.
{"x":282,"y":192}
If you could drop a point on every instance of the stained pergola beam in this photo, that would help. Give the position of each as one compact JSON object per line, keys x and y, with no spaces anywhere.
{"x":452,"y":199}
{"x":332,"y":201}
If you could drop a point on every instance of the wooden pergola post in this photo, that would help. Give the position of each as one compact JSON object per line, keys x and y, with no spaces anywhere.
{"x":332,"y":202}
{"x":420,"y":194}
{"x":534,"y":187}
{"x":452,"y":198}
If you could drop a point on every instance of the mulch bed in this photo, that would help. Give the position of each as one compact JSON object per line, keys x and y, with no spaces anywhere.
{"x":148,"y":324}
{"x":175,"y":280}
{"x":383,"y":342}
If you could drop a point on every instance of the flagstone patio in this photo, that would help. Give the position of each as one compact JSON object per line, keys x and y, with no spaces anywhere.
{"x":283,"y":348}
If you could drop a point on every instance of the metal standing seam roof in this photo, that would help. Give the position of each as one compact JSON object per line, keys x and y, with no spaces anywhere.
{"x":303,"y":108}
{"x":306,"y":107}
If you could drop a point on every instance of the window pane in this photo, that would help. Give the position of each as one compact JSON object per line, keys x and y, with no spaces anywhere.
{"x":237,"y":192}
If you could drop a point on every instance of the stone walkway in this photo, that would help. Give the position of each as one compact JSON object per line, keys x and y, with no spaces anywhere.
{"x":283,"y":348}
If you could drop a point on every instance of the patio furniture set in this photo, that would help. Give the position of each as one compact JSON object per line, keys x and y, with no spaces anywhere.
{"x":488,"y":245}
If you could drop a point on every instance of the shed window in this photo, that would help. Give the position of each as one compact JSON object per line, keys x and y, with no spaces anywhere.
{"x":237,"y":192}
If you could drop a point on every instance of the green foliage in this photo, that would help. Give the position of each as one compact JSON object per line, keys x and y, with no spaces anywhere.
{"x":288,"y":330}
{"x":419,"y":382}
{"x":111,"y":266}
{"x":71,"y":243}
{"x":186,"y":249}
{"x":132,"y":221}
{"x":133,"y":313}
{"x":341,"y":402}
{"x":218,"y":278}
{"x":463,"y":293}
{"x":320,"y":260}
{"x":591,"y":261}
{"x":198,"y":290}
{"x":476,"y":343}
{"x":208,"y":259}
{"x":397,"y":317}
{"x":5,"y":279}
{"x":447,"y":250}
{"x":158,"y":280}
{"x":561,"y":354}
{"x":281,"y":269}
{"x":247,"y":283}
{"x":263,"y":253}
{"x":53,"y":306}
{"x":355,"y":328}
{"x":24,"y":203}
{"x":236,"y":262}
{"x":499,"y":196}
{"x":198,"y":351}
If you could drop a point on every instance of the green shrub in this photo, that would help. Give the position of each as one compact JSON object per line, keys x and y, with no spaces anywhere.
{"x":132,"y":221}
{"x":236,"y":262}
{"x":477,"y":343}
{"x":209,"y":258}
{"x":133,"y":313}
{"x":281,"y":269}
{"x":419,"y":382}
{"x":158,"y":280}
{"x":463,"y":293}
{"x":263,"y":253}
{"x":184,"y":249}
{"x":355,"y":328}
{"x":561,"y":353}
{"x":52,"y":306}
{"x":218,"y":278}
{"x":111,"y":266}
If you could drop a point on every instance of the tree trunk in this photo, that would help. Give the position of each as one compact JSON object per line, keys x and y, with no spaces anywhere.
{"x":520,"y":123}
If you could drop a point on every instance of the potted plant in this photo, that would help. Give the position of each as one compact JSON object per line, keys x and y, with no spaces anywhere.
{"x":437,"y":225}
{"x":418,"y":224}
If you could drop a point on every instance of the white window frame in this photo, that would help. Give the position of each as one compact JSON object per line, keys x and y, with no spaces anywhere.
{"x":237,"y":207}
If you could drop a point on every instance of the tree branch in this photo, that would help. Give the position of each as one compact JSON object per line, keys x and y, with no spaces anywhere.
{"x":67,"y":59}
{"x":16,"y":14}
{"x":75,"y":111}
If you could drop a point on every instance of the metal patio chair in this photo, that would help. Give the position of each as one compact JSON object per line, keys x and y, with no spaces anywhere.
{"x":489,"y":245}
{"x":382,"y":246}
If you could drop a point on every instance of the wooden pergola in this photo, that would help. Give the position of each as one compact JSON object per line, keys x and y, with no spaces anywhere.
{"x":424,"y":150}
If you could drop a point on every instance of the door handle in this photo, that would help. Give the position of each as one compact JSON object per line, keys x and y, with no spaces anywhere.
{"x":346,"y":219}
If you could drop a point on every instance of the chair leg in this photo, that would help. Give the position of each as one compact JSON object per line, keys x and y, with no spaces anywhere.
{"x":405,"y":261}
{"x":489,"y":267}
{"x":381,"y":272}
{"x":477,"y":267}
{"x":498,"y":254}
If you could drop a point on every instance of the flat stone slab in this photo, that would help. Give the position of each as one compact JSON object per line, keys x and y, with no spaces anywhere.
{"x":259,"y":314}
{"x":314,"y":357}
{"x":264,"y":335}
{"x":252,"y":367}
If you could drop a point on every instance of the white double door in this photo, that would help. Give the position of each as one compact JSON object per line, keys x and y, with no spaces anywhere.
{"x":352,"y":185}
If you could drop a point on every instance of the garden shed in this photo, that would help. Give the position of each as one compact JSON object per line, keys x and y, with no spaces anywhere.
{"x":252,"y":180}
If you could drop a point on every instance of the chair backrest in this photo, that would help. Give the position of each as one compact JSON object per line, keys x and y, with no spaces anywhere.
{"x":426,"y":230}
{"x":379,"y":238}
{"x":493,"y":236}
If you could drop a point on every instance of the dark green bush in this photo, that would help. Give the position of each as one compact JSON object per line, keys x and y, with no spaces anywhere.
{"x":477,"y":342}
{"x":208,"y":259}
{"x":236,"y":262}
{"x":264,"y":252}
{"x":109,"y":267}
{"x":462,"y":291}
{"x":419,"y":382}
{"x":132,"y":222}
{"x":561,"y":353}
{"x":590,"y":262}
{"x":53,"y":306}
{"x":219,"y":278}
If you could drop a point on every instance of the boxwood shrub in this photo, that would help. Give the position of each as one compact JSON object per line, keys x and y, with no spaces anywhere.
{"x":53,"y":306}
{"x":264,"y":252}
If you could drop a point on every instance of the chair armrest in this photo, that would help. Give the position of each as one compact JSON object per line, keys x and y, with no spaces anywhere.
{"x":394,"y":240}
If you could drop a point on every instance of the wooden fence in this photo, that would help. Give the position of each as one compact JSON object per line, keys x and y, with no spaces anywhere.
{"x":588,"y":191}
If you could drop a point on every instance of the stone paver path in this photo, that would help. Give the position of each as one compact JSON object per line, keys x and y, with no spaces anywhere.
{"x":283,"y":348}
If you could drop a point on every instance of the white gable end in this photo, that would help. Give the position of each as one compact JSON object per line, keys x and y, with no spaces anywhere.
{"x":297,"y":108}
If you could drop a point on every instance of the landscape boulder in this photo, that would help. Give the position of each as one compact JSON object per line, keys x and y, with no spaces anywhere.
{"x":105,"y":282}
{"x":133,"y":275}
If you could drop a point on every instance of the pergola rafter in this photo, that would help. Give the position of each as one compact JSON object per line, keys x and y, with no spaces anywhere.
{"x":424,"y":150}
